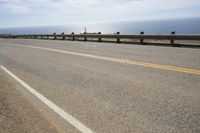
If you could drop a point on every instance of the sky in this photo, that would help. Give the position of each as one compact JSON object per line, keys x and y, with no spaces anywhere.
{"x":18,"y":13}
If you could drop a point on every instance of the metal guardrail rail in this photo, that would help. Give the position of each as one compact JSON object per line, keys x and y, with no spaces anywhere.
{"x":172,"y":37}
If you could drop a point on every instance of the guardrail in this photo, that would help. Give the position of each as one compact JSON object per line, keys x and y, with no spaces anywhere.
{"x":117,"y":37}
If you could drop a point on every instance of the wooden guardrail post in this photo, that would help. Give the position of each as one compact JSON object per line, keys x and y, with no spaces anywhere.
{"x":141,"y":40}
{"x":118,"y":39}
{"x":172,"y":41}
{"x":54,"y":36}
{"x":73,"y":38}
{"x":63,"y":36}
{"x":85,"y":38}
{"x":99,"y":37}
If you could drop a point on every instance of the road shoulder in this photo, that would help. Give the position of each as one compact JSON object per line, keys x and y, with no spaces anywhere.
{"x":17,"y":115}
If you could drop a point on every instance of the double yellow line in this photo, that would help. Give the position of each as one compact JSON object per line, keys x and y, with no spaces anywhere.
{"x":144,"y":64}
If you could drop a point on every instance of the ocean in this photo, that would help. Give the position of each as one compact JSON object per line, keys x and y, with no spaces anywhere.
{"x":180,"y":26}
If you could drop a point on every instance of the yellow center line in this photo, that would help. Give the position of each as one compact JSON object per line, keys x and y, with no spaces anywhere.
{"x":119,"y":60}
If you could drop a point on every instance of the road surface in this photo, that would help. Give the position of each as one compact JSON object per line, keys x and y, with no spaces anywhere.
{"x":100,"y":87}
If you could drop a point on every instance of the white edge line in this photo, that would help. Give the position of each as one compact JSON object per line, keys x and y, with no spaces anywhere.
{"x":73,"y":121}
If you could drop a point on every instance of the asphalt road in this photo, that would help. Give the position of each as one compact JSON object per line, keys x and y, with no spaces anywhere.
{"x":111,"y":88}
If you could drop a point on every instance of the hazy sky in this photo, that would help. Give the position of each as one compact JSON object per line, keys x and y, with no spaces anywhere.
{"x":52,"y":12}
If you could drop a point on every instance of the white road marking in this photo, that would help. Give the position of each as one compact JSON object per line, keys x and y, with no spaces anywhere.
{"x":73,"y":121}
